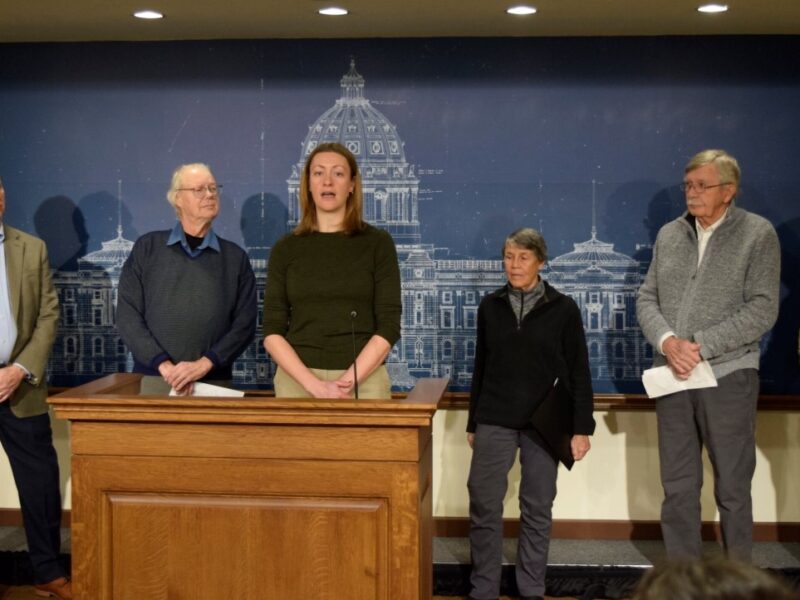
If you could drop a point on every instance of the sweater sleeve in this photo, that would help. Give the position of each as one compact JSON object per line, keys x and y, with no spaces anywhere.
{"x":130,"y":319}
{"x":243,"y":318}
{"x":387,"y":303}
{"x":276,"y":301}
{"x":759,"y":309}
{"x":648,"y":309}
{"x":579,"y":374}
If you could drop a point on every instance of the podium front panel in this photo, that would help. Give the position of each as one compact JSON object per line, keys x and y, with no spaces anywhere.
{"x":256,"y":499}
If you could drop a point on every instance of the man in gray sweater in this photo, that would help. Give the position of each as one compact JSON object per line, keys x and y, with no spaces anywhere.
{"x":711,"y":293}
{"x":187,"y":297}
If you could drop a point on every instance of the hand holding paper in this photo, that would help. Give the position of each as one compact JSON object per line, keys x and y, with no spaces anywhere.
{"x":682,"y":355}
{"x":206,"y":389}
{"x":661,"y":381}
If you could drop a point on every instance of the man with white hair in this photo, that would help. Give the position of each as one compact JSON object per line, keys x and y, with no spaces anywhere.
{"x":187,"y":300}
{"x":710,"y":294}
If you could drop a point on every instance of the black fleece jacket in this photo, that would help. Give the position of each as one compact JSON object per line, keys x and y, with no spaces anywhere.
{"x":515,"y":365}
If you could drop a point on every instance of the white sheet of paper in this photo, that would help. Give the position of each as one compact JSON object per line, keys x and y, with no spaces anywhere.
{"x":661,"y":381}
{"x":206,"y":389}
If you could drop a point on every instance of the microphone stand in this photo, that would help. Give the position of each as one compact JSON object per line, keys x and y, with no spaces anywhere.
{"x":353,"y":315}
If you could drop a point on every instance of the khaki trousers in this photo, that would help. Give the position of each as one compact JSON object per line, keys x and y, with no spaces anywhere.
{"x":377,"y":385}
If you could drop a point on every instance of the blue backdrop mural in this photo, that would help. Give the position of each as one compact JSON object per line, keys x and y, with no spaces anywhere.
{"x":460,"y":142}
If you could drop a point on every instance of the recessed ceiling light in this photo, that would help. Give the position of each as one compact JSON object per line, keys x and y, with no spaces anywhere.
{"x":521,"y":10}
{"x":148,"y":14}
{"x":333,"y":11}
{"x":712,"y":8}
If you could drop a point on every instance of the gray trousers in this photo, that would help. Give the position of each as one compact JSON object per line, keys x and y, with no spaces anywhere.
{"x":722,"y":418}
{"x":493,"y":454}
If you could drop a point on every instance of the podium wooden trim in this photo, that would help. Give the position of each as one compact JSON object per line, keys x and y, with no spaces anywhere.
{"x":255,"y":497}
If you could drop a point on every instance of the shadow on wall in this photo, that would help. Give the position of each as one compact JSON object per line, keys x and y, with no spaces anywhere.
{"x":86,"y":344}
{"x":666,"y":205}
{"x":61,"y":442}
{"x":65,"y":243}
{"x":628,"y":199}
{"x":780,"y":361}
{"x":505,"y":224}
{"x":772,"y":440}
{"x":452,"y":466}
{"x":104,"y":213}
{"x":263,"y":220}
{"x":780,"y":372}
{"x":60,"y":223}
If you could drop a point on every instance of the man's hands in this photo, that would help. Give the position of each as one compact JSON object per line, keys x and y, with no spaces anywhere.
{"x":682,"y":356}
{"x":183,"y":375}
{"x":10,"y":378}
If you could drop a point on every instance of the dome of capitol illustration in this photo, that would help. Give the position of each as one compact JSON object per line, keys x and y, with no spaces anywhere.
{"x":112,"y":255}
{"x":390,"y":187}
{"x":356,"y":124}
{"x":596,"y":255}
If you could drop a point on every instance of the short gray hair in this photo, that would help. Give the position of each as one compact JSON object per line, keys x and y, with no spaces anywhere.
{"x":176,"y":181}
{"x":529,"y":239}
{"x":726,"y":165}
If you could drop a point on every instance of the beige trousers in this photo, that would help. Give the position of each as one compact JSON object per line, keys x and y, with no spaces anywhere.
{"x":377,"y":385}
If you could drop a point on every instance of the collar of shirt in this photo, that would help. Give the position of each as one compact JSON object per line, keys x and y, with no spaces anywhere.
{"x":704,"y":234}
{"x":177,"y":236}
{"x":711,"y":228}
{"x":2,"y":233}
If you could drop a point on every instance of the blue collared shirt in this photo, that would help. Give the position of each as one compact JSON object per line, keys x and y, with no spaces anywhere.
{"x":177,"y":236}
{"x":8,"y":327}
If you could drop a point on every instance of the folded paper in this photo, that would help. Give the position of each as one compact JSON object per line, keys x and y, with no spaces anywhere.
{"x":660,"y":381}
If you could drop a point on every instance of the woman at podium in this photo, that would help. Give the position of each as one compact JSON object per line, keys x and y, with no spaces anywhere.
{"x":532,"y":393}
{"x":332,"y":299}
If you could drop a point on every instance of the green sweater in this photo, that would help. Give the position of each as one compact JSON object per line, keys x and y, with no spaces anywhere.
{"x":315,"y":282}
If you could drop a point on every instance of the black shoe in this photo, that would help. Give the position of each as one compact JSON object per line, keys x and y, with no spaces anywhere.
{"x":531,"y":598}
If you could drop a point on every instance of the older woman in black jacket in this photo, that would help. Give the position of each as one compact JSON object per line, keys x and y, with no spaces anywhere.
{"x":529,"y":336}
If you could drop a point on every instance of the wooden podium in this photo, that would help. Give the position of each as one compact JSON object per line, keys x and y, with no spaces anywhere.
{"x":254,"y":497}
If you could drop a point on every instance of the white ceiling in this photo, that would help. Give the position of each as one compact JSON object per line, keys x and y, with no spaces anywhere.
{"x":96,"y":20}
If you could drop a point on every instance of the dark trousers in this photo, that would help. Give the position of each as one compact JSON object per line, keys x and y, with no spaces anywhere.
{"x":493,"y":454}
{"x":28,"y":442}
{"x":723,"y":419}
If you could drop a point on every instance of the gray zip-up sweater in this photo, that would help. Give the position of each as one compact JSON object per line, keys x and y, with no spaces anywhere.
{"x":727,"y":303}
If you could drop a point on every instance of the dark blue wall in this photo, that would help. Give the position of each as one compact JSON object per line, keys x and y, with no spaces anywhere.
{"x":503,"y":133}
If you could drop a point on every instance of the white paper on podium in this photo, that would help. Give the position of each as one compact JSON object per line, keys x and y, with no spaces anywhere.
{"x":206,"y":389}
{"x":661,"y":381}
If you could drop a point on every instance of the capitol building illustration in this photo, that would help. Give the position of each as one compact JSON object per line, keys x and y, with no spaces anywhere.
{"x":440,"y":294}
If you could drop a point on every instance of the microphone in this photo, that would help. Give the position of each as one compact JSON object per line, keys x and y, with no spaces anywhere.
{"x":353,"y":315}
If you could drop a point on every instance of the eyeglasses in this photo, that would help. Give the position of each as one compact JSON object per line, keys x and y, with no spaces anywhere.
{"x":200,"y":192}
{"x":700,"y":186}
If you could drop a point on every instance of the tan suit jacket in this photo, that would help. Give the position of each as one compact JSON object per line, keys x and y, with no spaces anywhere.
{"x":34,"y":304}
